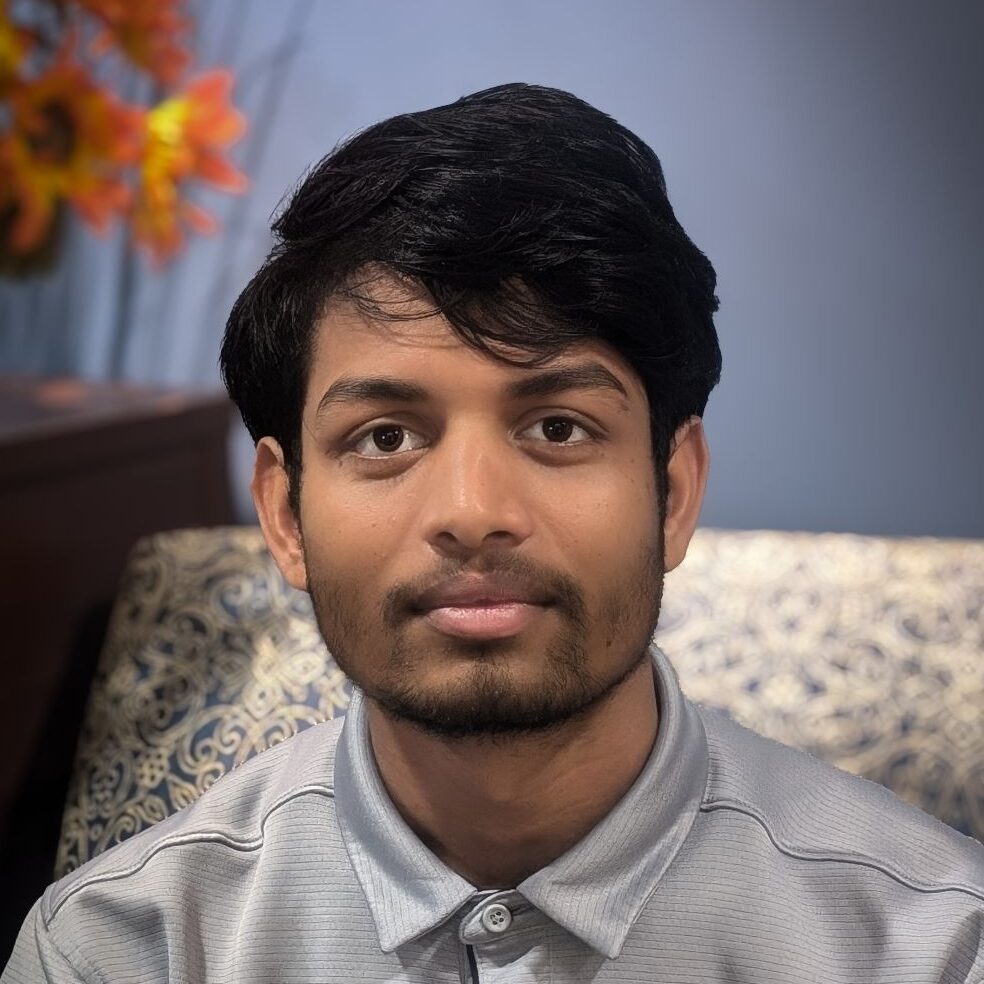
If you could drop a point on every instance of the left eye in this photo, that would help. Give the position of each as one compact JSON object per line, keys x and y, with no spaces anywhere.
{"x":559,"y":430}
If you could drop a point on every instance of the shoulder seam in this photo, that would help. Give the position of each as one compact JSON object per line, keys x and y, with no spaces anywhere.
{"x":204,"y":835}
{"x":750,"y":811}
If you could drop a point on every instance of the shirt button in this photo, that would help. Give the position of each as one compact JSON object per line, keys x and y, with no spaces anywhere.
{"x":496,"y":918}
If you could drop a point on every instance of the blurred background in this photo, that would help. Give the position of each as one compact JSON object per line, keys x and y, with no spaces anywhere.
{"x":827,"y":157}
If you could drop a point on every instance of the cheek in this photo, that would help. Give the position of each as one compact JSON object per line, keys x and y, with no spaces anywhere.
{"x":351,"y":561}
{"x":349,"y":528}
{"x":609,"y":521}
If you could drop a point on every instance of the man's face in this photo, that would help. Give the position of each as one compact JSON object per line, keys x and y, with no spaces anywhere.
{"x":555,"y":490}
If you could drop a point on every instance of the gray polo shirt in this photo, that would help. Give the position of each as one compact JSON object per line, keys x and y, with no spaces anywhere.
{"x":731,"y":858}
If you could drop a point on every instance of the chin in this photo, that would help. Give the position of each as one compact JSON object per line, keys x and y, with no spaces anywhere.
{"x":487,"y":696}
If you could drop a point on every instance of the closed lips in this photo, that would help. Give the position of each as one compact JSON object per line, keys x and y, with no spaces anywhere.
{"x":472,"y":591}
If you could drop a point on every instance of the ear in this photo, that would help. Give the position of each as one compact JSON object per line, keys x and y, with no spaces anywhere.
{"x":277,"y":520}
{"x":687,"y":472}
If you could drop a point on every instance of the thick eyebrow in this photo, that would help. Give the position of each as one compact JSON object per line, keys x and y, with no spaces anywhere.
{"x":582,"y":376}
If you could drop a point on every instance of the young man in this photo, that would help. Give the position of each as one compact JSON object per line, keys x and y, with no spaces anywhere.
{"x":475,"y":366}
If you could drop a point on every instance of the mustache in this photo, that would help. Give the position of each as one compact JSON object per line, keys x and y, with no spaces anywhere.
{"x":401,"y":601}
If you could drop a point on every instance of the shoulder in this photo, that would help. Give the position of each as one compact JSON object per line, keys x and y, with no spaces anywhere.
{"x":235,"y":810}
{"x":812,"y":810}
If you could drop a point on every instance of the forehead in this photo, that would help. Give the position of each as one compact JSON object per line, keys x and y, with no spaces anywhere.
{"x":351,"y":345}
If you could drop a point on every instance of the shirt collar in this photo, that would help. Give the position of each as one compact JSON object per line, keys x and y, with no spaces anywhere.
{"x":596,"y":890}
{"x":409,"y":890}
{"x":599,"y":887}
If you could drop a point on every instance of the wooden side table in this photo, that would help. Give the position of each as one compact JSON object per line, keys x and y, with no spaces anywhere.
{"x":85,"y":470}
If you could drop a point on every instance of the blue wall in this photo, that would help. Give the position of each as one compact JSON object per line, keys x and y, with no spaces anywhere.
{"x":828,"y":157}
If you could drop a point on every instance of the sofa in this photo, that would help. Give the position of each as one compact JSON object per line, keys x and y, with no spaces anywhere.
{"x":867,"y":652}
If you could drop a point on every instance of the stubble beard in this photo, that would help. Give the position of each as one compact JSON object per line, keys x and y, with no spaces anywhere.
{"x":487,"y":700}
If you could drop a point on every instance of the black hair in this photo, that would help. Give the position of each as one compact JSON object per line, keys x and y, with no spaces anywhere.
{"x":529,"y":219}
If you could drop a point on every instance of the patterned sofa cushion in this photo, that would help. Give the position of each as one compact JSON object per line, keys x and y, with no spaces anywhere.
{"x":210,"y":657}
{"x":866,"y":652}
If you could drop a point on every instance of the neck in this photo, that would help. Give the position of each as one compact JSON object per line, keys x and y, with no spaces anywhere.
{"x":495,"y":812}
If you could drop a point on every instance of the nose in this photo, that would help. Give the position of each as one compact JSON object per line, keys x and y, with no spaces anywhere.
{"x":476,"y":493}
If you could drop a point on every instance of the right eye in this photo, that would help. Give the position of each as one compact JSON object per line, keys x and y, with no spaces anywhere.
{"x":384,"y":438}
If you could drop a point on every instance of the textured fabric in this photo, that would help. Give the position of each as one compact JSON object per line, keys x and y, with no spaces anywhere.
{"x":864,"y":651}
{"x":731,"y":859}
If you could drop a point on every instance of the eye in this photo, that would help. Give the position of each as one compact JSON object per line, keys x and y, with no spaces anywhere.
{"x":558,"y":430}
{"x":385,"y":441}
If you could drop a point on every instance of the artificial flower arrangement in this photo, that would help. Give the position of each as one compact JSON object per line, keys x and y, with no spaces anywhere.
{"x":66,"y":139}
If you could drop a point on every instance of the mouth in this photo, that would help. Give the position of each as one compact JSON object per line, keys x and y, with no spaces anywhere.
{"x":492,"y":620}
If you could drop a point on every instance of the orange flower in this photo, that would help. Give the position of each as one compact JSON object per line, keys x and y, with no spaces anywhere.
{"x":149,"y":32}
{"x":185,"y":136}
{"x":69,"y":140}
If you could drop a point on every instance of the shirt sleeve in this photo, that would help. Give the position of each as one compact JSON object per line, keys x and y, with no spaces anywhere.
{"x":35,"y":958}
